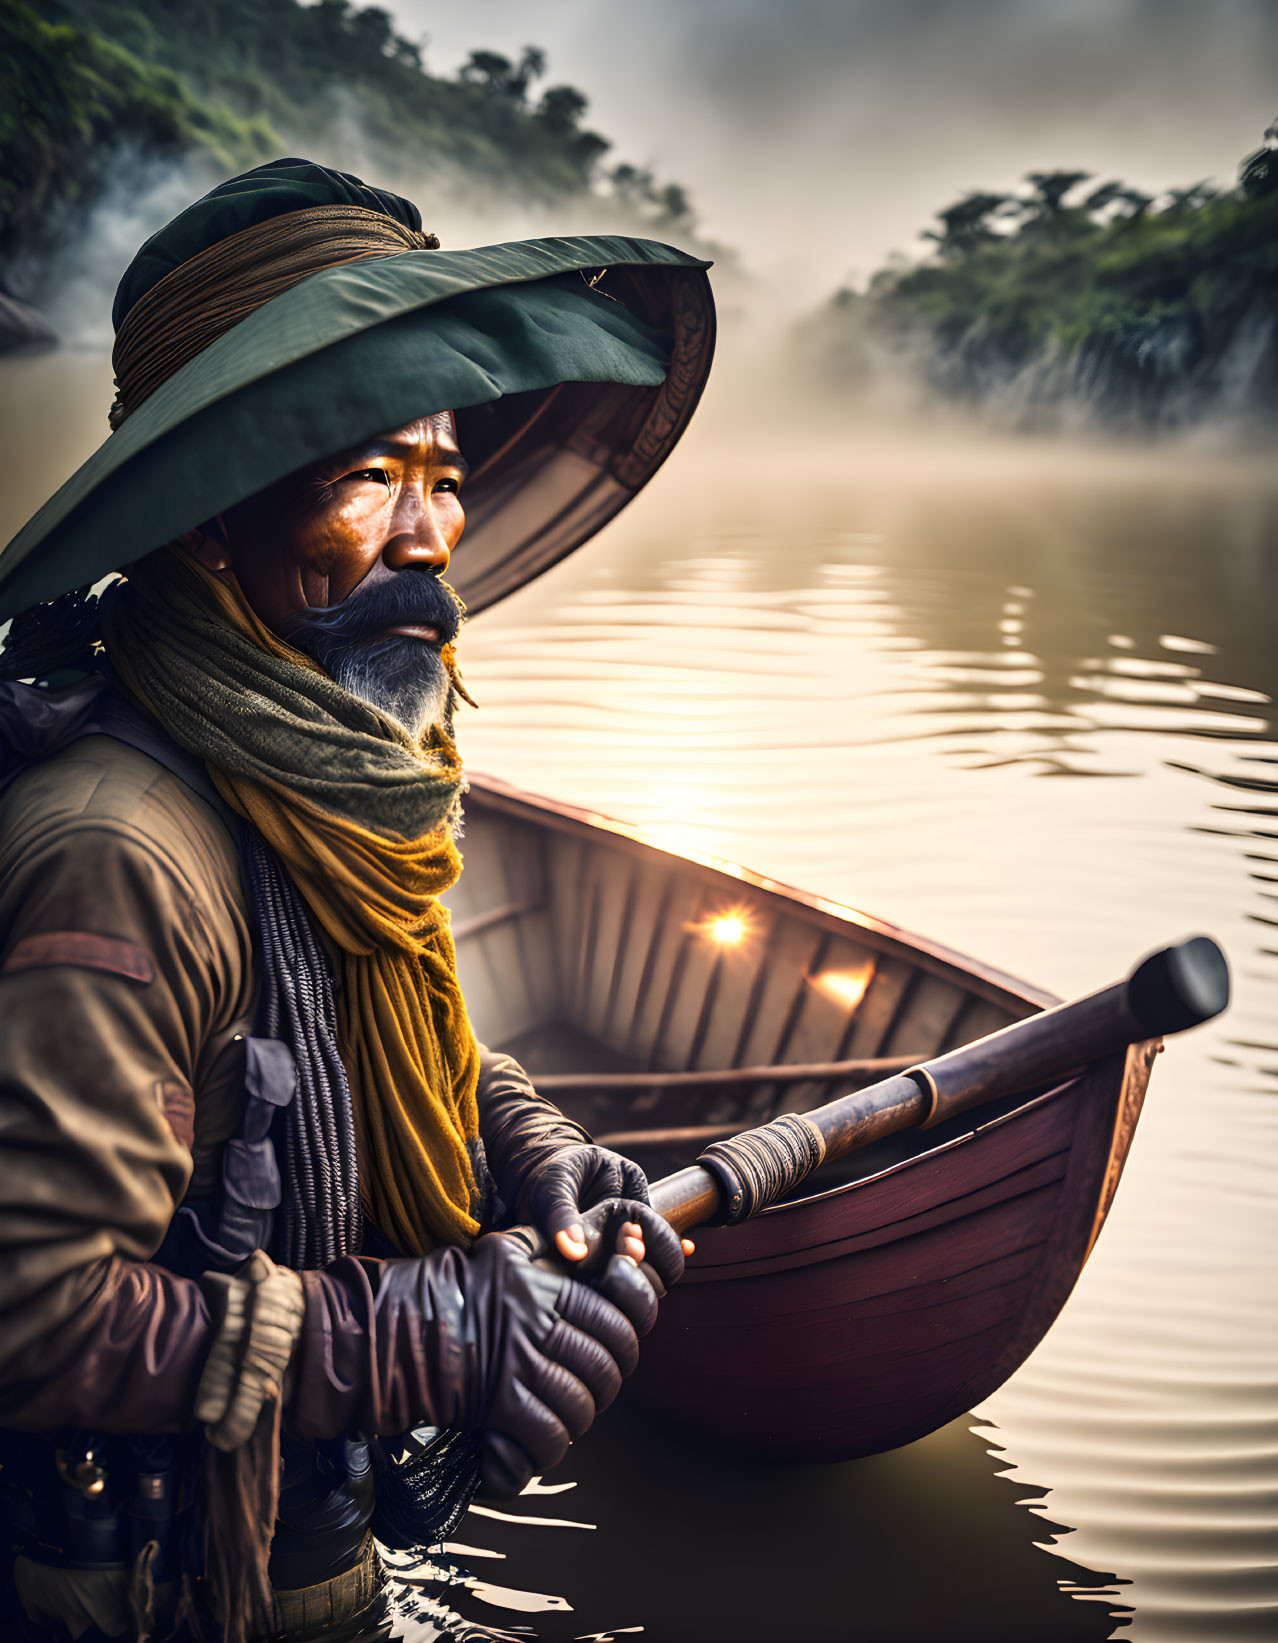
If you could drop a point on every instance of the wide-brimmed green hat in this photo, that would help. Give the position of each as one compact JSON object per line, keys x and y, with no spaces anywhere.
{"x":572,"y":364}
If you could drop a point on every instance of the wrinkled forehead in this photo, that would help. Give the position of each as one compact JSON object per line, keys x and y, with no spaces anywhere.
{"x":427,"y":438}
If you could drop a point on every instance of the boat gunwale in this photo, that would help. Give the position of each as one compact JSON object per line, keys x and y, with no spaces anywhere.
{"x":581,"y":822}
{"x":982,"y":980}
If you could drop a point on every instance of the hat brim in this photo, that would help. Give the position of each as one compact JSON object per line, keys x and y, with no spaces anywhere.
{"x":568,"y":398}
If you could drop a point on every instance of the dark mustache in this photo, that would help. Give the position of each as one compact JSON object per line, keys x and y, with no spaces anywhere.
{"x":409,"y":598}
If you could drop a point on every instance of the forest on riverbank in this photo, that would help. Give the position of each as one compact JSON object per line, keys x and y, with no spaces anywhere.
{"x":92,"y":88}
{"x":1071,"y":303}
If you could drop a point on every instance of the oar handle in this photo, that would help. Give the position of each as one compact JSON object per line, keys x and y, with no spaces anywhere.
{"x":1175,"y":988}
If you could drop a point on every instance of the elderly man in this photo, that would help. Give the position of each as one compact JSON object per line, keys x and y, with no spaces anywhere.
{"x":255,"y":1164}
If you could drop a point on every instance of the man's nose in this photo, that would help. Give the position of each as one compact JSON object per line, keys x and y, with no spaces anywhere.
{"x":418,"y":537}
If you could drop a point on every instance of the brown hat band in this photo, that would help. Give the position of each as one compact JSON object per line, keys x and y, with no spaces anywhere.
{"x":209,"y":294}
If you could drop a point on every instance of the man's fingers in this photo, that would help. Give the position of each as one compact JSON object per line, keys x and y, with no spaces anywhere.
{"x":634,"y":1183}
{"x":583,"y":1357}
{"x":630,"y":1241}
{"x":569,"y":1400}
{"x":539,"y":1420}
{"x":662,"y":1249}
{"x":556,"y":1202}
{"x":596,"y":1314}
{"x":627,"y":1286}
{"x":559,"y":1218}
{"x":571,"y":1244}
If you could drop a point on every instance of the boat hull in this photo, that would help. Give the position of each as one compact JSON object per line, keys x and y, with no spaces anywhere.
{"x":861,"y":1319}
{"x":851,"y":1319}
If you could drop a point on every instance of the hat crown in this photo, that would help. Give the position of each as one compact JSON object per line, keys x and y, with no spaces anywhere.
{"x":214,"y":291}
{"x":270,"y":190}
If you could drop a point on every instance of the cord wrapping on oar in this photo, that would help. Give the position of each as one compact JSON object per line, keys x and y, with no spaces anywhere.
{"x":758,"y":1168}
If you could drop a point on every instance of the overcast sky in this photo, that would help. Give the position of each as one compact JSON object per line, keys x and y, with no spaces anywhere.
{"x":820,"y":135}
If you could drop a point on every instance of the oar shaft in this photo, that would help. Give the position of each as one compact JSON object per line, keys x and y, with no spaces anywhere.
{"x":1029,"y":1052}
{"x":687,"y":1199}
{"x":1175,"y":988}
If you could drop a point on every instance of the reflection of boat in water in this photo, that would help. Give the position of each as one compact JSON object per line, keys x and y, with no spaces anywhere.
{"x":935,"y":1541}
{"x":664,"y":1000}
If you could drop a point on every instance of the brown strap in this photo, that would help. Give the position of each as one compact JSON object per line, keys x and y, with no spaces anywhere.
{"x":84,"y":950}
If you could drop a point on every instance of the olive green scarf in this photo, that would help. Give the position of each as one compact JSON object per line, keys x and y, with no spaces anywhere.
{"x":362,"y":816}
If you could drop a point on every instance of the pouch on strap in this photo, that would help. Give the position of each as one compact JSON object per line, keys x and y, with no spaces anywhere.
{"x":220,"y":1233}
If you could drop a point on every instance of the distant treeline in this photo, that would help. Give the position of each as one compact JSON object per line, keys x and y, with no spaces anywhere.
{"x":84,"y":82}
{"x":1068,"y":301}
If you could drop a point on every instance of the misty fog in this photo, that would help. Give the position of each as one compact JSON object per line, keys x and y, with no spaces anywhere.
{"x":820,"y":135}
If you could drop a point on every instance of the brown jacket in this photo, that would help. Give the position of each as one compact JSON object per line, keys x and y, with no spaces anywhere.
{"x":127,"y":985}
{"x":126,"y":980}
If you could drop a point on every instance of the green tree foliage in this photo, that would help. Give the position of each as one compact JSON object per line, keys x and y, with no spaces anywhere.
{"x":1050,"y":189}
{"x":965,"y":225}
{"x":1258,"y":174}
{"x":639,"y":190}
{"x":1147,"y":311}
{"x":241,"y":80}
{"x":304,"y":66}
{"x":502,"y":78}
{"x":68,"y":101}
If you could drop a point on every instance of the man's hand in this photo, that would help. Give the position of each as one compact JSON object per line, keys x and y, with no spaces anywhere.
{"x":550,"y":1173}
{"x":483,"y":1339}
{"x":560,"y":1188}
{"x":594,"y":1343}
{"x":568,"y":1346}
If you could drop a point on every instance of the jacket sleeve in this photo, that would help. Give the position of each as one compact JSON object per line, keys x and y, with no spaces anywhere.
{"x":518,"y":1127}
{"x":108,"y":985}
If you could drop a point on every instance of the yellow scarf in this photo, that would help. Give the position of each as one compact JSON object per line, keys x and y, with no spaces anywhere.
{"x":362,"y":817}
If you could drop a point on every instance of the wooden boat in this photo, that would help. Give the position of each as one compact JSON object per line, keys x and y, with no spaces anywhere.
{"x":663,"y":1001}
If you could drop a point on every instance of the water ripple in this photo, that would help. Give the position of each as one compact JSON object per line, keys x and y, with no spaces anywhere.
{"x":860,"y":715}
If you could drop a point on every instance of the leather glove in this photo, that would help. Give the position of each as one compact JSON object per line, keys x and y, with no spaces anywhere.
{"x":560,"y":1186}
{"x":546,"y":1167}
{"x":482,"y":1340}
{"x":574,"y":1373}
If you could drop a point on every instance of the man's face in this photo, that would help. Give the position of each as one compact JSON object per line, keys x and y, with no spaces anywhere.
{"x":343,"y":559}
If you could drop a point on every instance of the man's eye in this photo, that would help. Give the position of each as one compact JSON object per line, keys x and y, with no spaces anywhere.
{"x":378,"y":474}
{"x":452,"y":485}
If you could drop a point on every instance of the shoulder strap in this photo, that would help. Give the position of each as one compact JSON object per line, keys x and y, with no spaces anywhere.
{"x":36,"y":724}
{"x":113,"y":715}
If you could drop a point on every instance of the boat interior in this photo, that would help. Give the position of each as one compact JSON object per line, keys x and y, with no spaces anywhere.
{"x":664,"y":1002}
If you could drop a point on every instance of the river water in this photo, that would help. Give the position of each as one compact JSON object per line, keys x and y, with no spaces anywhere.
{"x":1018,"y":697}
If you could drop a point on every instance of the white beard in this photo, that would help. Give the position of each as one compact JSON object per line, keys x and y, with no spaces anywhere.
{"x":402,"y":678}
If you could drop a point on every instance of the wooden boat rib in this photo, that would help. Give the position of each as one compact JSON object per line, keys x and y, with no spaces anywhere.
{"x":663,"y":998}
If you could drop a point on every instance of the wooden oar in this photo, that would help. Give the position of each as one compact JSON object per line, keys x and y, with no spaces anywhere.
{"x":1178,"y":987}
